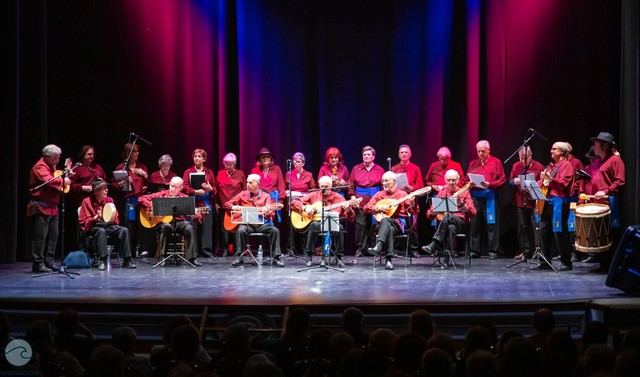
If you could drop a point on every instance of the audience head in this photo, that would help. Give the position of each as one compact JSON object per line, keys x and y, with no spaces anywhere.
{"x":106,"y":361}
{"x":421,"y":323}
{"x":261,"y":366}
{"x":445,"y":342}
{"x":382,"y":340}
{"x":436,"y":363}
{"x":124,"y":339}
{"x":505,"y":338}
{"x":544,"y":321}
{"x":594,"y":333}
{"x":599,"y":358}
{"x":173,"y":324}
{"x":631,"y":340}
{"x":298,"y":322}
{"x":352,"y":320}
{"x":481,"y":363}
{"x":520,"y":359}
{"x":408,"y":350}
{"x":478,"y":337}
{"x":185,"y":342}
{"x":560,"y":353}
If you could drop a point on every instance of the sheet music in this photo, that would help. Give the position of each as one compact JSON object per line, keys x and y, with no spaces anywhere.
{"x":477,"y":179}
{"x":196,"y":180}
{"x":401,"y":180}
{"x":524,"y":178}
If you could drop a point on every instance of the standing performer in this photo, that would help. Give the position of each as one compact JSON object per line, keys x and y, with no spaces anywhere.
{"x":271,"y":178}
{"x":93,"y":222}
{"x":132,"y":188}
{"x":557,"y":178}
{"x":365,"y":182}
{"x":229,"y":182}
{"x":204,"y":198}
{"x":42,"y":210}
{"x":328,"y":197}
{"x":159,"y":180}
{"x":182,"y":224}
{"x":299,"y":181}
{"x":522,"y":201}
{"x":608,"y":180}
{"x":335,"y":168}
{"x":437,"y":170}
{"x":405,"y":166}
{"x":451,"y":223}
{"x":254,"y":196}
{"x":485,"y":227}
{"x":389,"y":226}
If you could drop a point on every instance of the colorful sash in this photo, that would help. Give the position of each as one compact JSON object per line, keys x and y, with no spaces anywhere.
{"x":368,"y":191}
{"x":490,"y":208}
{"x":132,"y":203}
{"x":275,"y":196}
{"x":614,"y":204}
{"x":556,"y":217}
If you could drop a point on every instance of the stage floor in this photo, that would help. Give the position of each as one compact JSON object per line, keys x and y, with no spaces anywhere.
{"x":484,"y":282}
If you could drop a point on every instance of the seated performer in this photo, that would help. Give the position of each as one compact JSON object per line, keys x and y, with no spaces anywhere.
{"x":253,"y":196}
{"x":92,"y":221}
{"x":389,"y":226}
{"x":452,"y":222}
{"x":305,"y":205}
{"x":182,"y":225}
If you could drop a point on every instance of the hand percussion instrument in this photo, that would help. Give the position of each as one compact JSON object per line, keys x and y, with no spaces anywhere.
{"x":109,"y":212}
{"x":592,"y":228}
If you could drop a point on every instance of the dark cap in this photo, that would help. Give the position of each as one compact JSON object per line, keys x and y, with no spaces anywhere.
{"x":264,"y":151}
{"x":604,"y":136}
{"x":98,"y":184}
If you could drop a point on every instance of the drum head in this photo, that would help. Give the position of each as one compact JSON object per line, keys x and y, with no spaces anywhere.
{"x":592,"y":209}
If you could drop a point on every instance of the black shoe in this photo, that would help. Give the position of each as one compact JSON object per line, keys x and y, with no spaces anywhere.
{"x":359,"y":253}
{"x":590,"y":259}
{"x":52,"y":266}
{"x":540,"y":267}
{"x":102,"y":266}
{"x":40,"y":268}
{"x":278,"y":262}
{"x":429,"y":249}
{"x":493,"y":255}
{"x":375,"y":250}
{"x":565,"y":267}
{"x":128,"y":263}
{"x":414,"y":254}
{"x":388,"y":265}
{"x":238,"y":262}
{"x":195,"y":262}
{"x":307,"y":262}
{"x":474,"y":255}
{"x":557,"y":257}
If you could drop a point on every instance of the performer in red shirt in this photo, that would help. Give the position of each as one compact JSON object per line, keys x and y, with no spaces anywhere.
{"x":522,"y":201}
{"x":437,"y":170}
{"x":93,"y":223}
{"x":485,"y":227}
{"x":254,"y":196}
{"x":577,"y":165}
{"x":558,"y":177}
{"x":271,"y":178}
{"x":335,"y":168}
{"x":42,"y":210}
{"x":608,"y":180}
{"x":299,"y":182}
{"x":329,"y":197}
{"x":453,"y":222}
{"x":389,"y":226}
{"x":204,"y":198}
{"x":159,"y":179}
{"x":229,"y":182}
{"x":405,"y":166}
{"x":365,"y":179}
{"x":182,"y":224}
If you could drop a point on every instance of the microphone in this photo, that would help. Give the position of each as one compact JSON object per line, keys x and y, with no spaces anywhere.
{"x":140,"y":138}
{"x":289,"y":161}
{"x":538,"y":133}
{"x":389,"y":162}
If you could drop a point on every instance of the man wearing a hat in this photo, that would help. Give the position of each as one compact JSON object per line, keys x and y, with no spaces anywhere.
{"x":607,"y":184}
{"x":98,"y":218}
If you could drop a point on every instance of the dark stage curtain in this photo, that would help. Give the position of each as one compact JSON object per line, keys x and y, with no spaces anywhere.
{"x":235,"y":75}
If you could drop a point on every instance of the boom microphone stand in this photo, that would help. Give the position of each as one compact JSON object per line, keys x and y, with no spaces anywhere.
{"x":291,"y":252}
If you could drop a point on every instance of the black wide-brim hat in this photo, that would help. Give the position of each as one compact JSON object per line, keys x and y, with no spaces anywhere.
{"x":264,"y":151}
{"x":604,"y":136}
{"x":98,"y":183}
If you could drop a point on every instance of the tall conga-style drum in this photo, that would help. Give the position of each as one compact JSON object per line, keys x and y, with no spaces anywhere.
{"x":592,"y":228}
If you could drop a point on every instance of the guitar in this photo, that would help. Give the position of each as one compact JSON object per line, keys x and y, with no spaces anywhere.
{"x":300,"y":220}
{"x":462,"y":189}
{"x":546,"y":178}
{"x":149,"y":221}
{"x":387,"y":207}
{"x":231,"y":226}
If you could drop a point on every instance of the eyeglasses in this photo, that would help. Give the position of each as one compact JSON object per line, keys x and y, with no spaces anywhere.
{"x":299,"y":162}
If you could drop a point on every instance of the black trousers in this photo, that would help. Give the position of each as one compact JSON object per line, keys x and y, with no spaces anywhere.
{"x":362,"y":228}
{"x":44,"y":238}
{"x":447,"y":229}
{"x":483,"y":233}
{"x":242,"y":235}
{"x":526,"y":240}
{"x":181,"y":227}
{"x":117,"y":234}
{"x":386,"y":231}
{"x":559,"y":239}
{"x":337,"y":239}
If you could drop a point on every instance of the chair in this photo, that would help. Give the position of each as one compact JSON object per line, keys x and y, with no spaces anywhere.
{"x":406,"y":238}
{"x":176,"y":246}
{"x":248,"y":252}
{"x":454,"y":245}
{"x":88,"y":243}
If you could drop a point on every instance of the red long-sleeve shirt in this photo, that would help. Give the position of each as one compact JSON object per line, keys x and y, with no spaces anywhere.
{"x":577,"y":165}
{"x":520,"y":199}
{"x":146,"y":201}
{"x":331,"y":198}
{"x":303,"y":183}
{"x":562,"y":177}
{"x":247,"y":199}
{"x":404,"y":208}
{"x":89,"y":208}
{"x":361,"y":177}
{"x":273,"y":180}
{"x":229,"y":184}
{"x":209,"y":177}
{"x":414,"y":175}
{"x":342,"y":172}
{"x":84,"y":175}
{"x":138,"y":182}
{"x":464,"y":201}
{"x":492,"y":170}
{"x":160,"y":181}
{"x":47,"y":196}
{"x":436,"y":172}
{"x":609,"y":177}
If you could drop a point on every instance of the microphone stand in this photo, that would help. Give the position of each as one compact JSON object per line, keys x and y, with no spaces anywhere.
{"x":291,"y":251}
{"x":63,"y":269}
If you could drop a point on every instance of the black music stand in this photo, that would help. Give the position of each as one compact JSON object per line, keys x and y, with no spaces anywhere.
{"x":445,"y":206}
{"x":327,"y":223}
{"x":178,"y":206}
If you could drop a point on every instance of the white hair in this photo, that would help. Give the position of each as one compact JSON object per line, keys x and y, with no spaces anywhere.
{"x":444,"y":152}
{"x":176,"y":181}
{"x":325,"y":179}
{"x":452,"y":173}
{"x":50,"y":150}
{"x":253,"y":177}
{"x":483,"y":143}
{"x":563,"y":146}
{"x":299,"y":155}
{"x":229,"y":157}
{"x":165,"y":158}
{"x":390,"y":175}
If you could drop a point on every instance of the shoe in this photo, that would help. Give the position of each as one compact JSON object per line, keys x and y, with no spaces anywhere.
{"x":415,"y":254}
{"x":454,"y":254}
{"x":40,"y":268}
{"x":52,"y":267}
{"x":493,"y":255}
{"x":359,"y":253}
{"x":278,"y":262}
{"x":565,"y":267}
{"x":195,"y":262}
{"x":238,"y":262}
{"x":429,"y":249}
{"x":373,"y":251}
{"x":128,"y":263}
{"x":590,"y":259}
{"x":102,"y":266}
{"x":540,"y":267}
{"x":519,"y":256}
{"x":474,"y":255}
{"x":557,"y":257}
{"x":388,"y":265}
{"x":206,"y":254}
{"x":143,"y":254}
{"x":307,"y":262}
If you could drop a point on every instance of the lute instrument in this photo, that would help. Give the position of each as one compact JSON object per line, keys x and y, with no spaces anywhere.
{"x":387,"y":207}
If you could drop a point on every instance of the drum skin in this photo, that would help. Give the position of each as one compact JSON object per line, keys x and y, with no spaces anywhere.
{"x":592,"y":228}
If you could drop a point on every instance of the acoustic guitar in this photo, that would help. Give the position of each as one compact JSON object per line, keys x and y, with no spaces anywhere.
{"x":546,"y":179}
{"x":301,"y":220}
{"x":231,"y":226}
{"x":387,"y":207}
{"x":149,"y":220}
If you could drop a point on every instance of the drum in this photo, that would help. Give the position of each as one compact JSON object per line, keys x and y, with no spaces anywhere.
{"x":592,"y":228}
{"x":109,"y":212}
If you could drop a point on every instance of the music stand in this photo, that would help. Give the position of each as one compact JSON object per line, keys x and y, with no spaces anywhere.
{"x":178,"y":206}
{"x":534,"y":192}
{"x":445,"y":206}
{"x":328,"y":221}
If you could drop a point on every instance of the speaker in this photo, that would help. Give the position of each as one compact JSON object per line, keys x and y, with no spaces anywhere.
{"x":624,"y":272}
